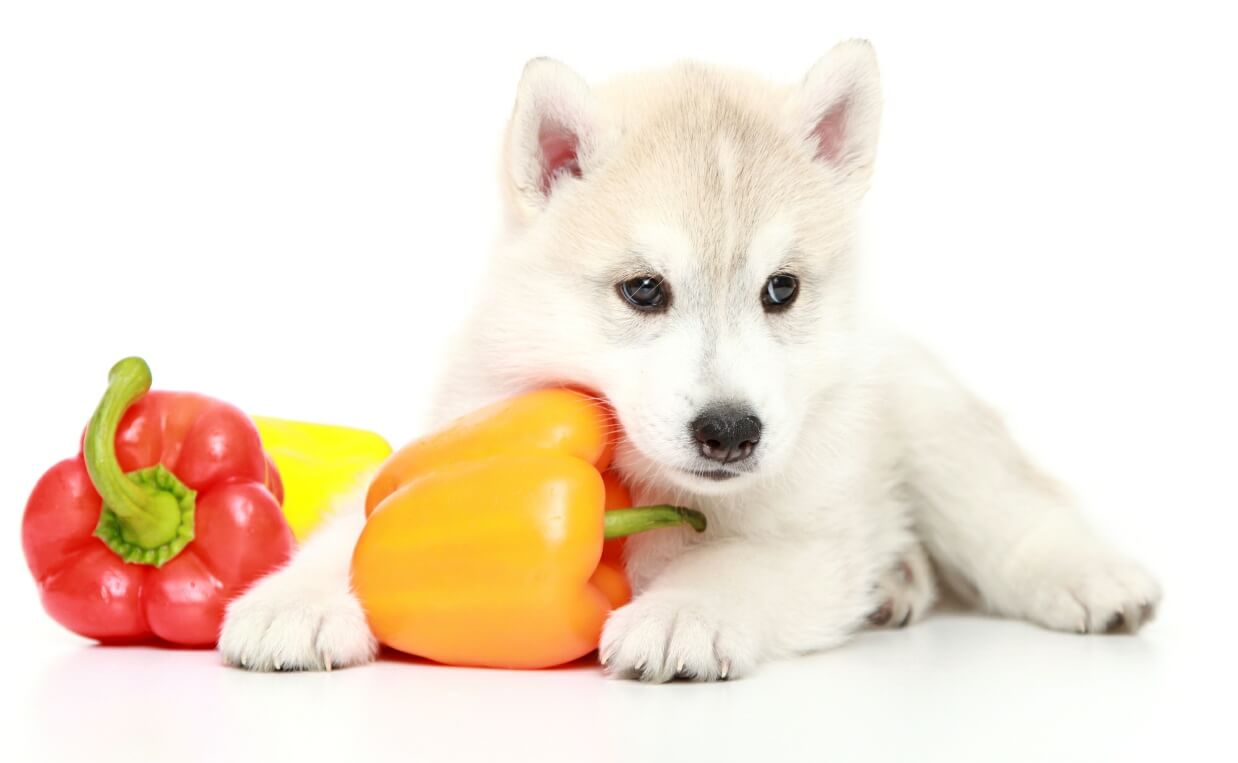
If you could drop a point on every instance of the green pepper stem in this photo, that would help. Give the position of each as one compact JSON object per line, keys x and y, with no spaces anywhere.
{"x":147,"y":515}
{"x":623,"y":522}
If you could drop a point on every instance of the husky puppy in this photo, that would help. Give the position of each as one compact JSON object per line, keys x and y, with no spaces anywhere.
{"x":682,"y":242}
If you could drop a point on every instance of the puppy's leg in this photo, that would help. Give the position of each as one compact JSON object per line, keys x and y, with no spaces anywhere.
{"x":304,"y":616}
{"x":906,"y":592}
{"x":991,"y":519}
{"x":718,"y":609}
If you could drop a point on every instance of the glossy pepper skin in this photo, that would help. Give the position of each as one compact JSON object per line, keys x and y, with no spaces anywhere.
{"x":319,"y":464}
{"x":484,"y":543}
{"x":170,"y":509}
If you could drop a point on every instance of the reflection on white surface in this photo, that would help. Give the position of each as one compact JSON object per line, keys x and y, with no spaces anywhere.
{"x":956,"y":686}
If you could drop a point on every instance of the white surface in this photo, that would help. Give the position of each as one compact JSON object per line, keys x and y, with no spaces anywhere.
{"x":232,"y":191}
{"x":952,"y":688}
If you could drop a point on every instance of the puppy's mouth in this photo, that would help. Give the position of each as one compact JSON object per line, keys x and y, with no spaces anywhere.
{"x":715,"y":475}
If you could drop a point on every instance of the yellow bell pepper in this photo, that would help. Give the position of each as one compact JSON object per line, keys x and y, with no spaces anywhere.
{"x":318,"y":464}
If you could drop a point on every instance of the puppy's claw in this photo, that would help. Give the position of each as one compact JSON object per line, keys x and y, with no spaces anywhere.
{"x":1146,"y":612}
{"x":724,"y":669}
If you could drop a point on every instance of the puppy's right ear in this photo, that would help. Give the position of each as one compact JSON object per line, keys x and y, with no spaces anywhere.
{"x":552,"y":138}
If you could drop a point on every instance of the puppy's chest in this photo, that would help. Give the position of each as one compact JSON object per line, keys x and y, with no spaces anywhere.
{"x":812,"y":503}
{"x":868,"y":510}
{"x":803,"y":502}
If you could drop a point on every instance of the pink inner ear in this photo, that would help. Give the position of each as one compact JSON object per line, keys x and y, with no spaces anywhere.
{"x":830,"y":132}
{"x":558,"y":146}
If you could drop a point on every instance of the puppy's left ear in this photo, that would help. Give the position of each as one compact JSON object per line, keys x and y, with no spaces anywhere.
{"x":552,"y":138}
{"x":837,"y":109}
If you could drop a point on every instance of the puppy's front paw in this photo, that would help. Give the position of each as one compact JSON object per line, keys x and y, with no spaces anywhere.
{"x":1102,"y":594}
{"x":906,"y":592}
{"x":277,"y":627}
{"x":659,"y":637}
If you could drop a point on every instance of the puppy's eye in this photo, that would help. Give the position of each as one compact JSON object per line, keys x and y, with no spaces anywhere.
{"x":780,"y":291}
{"x":646,"y":293}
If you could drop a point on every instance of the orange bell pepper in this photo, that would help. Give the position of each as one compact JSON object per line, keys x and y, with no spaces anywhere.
{"x":484,"y":542}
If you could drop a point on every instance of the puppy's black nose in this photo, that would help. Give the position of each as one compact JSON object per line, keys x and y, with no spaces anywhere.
{"x":727,"y":433}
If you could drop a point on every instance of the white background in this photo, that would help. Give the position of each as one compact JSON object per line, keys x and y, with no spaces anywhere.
{"x":286,"y":206}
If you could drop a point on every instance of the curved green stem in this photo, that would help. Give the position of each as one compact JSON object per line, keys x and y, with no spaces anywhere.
{"x":621,"y":522}
{"x":148,"y":514}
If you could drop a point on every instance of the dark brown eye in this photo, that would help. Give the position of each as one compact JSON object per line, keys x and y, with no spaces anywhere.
{"x":646,"y":293}
{"x":780,"y":291}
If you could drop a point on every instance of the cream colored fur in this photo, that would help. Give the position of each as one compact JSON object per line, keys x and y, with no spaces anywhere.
{"x":871,"y":453}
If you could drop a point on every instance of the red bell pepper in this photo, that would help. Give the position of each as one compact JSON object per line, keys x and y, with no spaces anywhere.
{"x":169,"y":510}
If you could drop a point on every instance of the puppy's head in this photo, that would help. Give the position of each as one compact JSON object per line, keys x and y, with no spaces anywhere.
{"x":681,"y":242}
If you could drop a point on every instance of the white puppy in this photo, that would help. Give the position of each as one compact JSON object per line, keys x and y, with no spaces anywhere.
{"x":682,"y":242}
